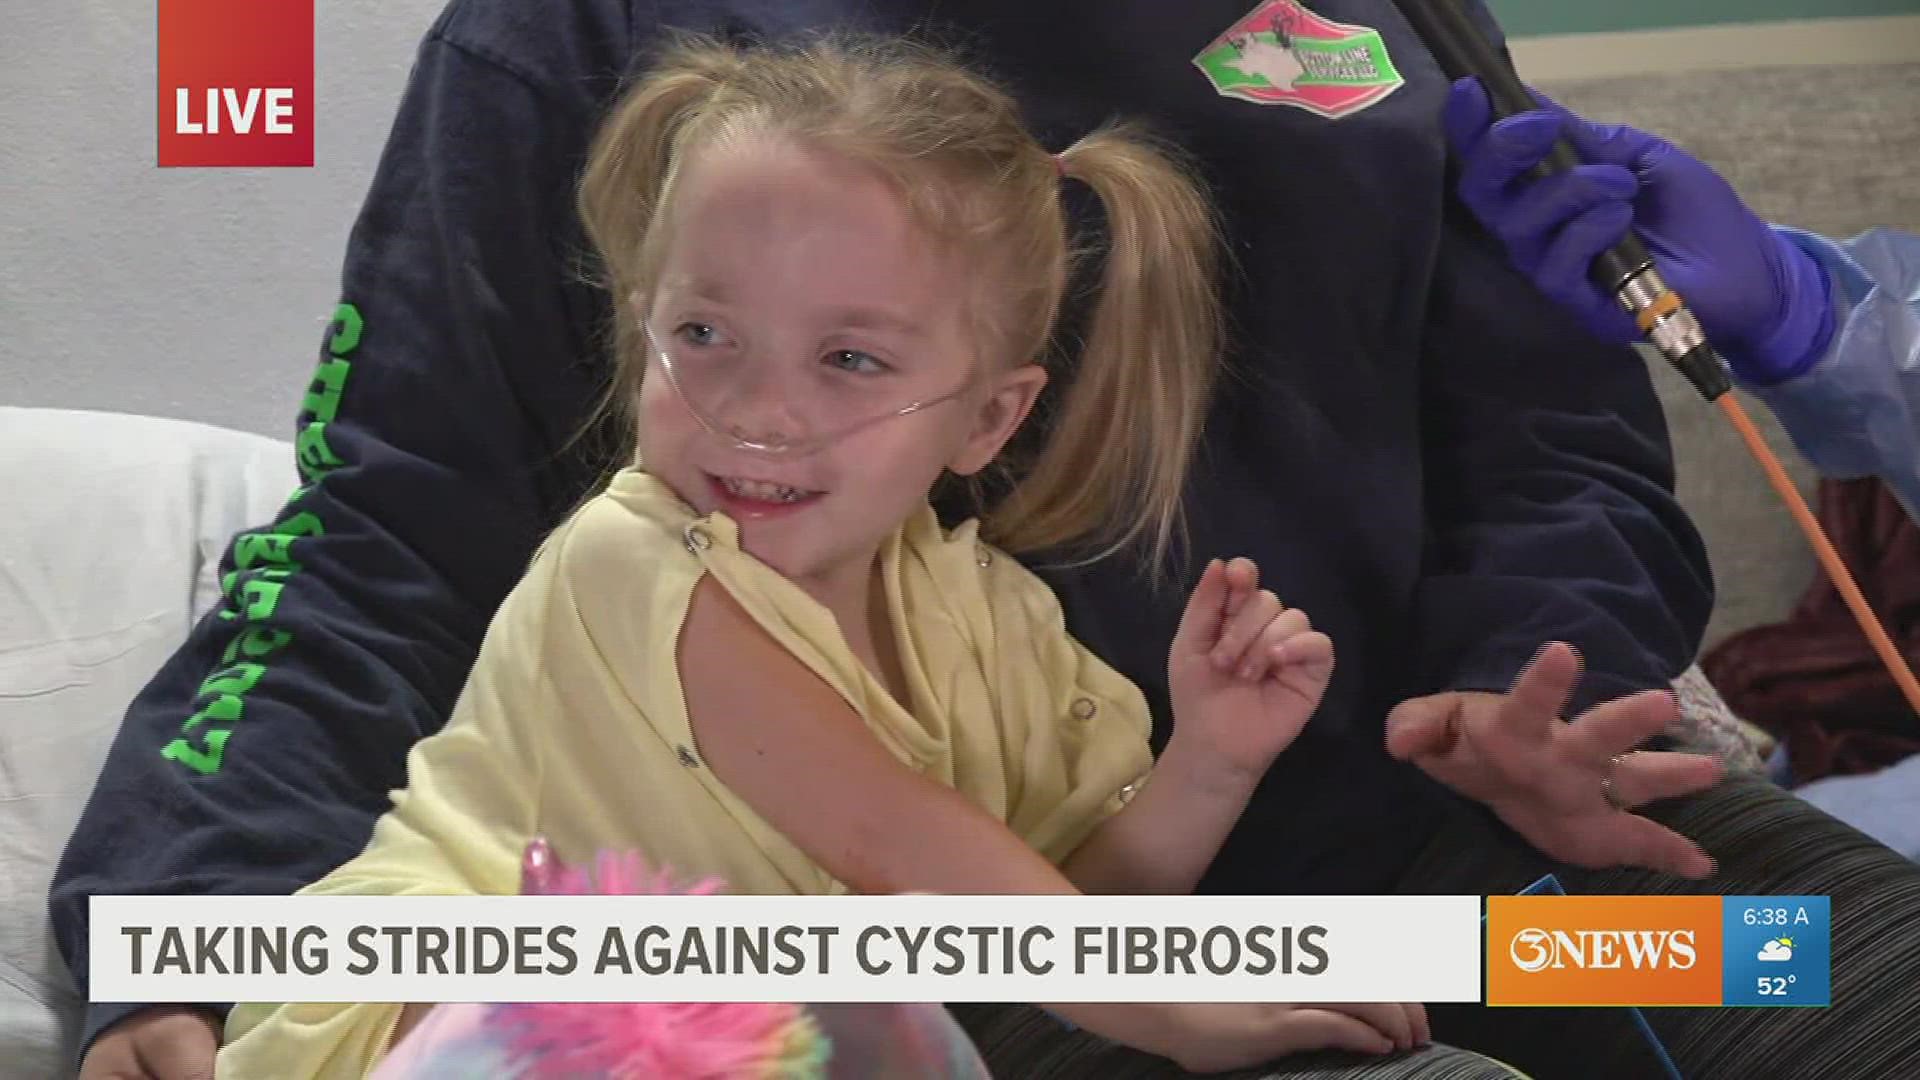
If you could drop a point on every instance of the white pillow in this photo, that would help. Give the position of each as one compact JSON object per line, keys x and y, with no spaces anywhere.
{"x":110,"y":544}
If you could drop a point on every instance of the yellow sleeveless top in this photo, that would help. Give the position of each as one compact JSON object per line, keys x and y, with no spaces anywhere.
{"x":572,"y":725}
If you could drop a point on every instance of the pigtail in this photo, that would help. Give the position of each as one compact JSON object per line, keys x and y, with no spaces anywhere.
{"x":1114,"y":465}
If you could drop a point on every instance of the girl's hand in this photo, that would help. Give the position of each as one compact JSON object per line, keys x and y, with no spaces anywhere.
{"x":1209,"y":1038}
{"x":1217,"y":1038}
{"x":1246,"y":672}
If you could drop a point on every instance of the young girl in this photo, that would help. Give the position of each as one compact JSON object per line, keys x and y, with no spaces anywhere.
{"x":757,"y":655}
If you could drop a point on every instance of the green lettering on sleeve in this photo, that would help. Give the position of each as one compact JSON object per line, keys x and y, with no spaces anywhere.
{"x":261,"y":598}
{"x":347,"y":325}
{"x":256,"y":597}
{"x":263,"y":562}
{"x":258,"y":643}
{"x":230,"y":582}
{"x":205,"y":762}
{"x":323,"y":396}
{"x":225,"y":709}
{"x":303,"y":523}
{"x":316,"y":458}
{"x":264,"y":548}
{"x":235,"y":680}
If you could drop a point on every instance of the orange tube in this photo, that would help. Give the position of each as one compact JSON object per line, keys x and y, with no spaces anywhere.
{"x":1829,"y":558}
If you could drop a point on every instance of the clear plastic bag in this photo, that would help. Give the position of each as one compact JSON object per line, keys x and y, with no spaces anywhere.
{"x":856,"y":1042}
{"x":672,"y":1041}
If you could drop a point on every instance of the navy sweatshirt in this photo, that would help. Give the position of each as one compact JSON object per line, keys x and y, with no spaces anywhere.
{"x":1416,"y":448}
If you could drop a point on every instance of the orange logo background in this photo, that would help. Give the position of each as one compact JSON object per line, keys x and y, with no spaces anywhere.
{"x":1603,"y":950}
{"x":238,"y":51}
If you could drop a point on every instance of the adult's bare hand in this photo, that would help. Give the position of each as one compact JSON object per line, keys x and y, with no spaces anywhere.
{"x":1568,"y":787}
{"x":169,"y":1042}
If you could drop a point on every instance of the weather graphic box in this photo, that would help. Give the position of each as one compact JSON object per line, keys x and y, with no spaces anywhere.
{"x":1778,"y":950}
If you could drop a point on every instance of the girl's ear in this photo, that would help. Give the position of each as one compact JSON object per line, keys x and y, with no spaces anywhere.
{"x":998,"y":416}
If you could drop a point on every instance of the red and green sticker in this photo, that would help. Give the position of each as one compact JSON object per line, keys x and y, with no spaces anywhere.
{"x":1282,"y":54}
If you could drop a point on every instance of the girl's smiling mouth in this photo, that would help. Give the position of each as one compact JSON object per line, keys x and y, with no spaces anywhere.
{"x":747,"y":497}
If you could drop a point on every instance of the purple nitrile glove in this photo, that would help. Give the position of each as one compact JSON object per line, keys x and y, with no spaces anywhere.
{"x":1764,"y":302}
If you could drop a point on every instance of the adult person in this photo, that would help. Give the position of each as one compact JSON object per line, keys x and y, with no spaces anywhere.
{"x":1421,"y":453}
{"x":1826,"y":332}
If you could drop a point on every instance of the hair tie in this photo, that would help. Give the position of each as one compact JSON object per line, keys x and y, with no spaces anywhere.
{"x":1060,"y":166}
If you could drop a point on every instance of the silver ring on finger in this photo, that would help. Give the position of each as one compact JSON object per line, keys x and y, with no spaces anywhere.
{"x":1607,"y":789}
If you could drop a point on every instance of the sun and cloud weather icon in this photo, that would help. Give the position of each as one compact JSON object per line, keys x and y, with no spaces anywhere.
{"x":1777,"y":950}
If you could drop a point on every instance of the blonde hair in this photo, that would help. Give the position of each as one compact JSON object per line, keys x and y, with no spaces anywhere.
{"x":1111,"y":469}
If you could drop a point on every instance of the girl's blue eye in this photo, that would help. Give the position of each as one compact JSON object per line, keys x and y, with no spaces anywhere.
{"x":854,"y":361}
{"x":697,"y":333}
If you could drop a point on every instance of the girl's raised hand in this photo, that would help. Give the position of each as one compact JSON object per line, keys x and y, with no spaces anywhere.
{"x":1245,"y":670}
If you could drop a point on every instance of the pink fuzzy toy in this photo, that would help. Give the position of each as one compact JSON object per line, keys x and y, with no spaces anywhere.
{"x":672,"y":1041}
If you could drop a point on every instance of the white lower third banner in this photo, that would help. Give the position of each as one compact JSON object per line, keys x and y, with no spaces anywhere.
{"x":799,"y":949}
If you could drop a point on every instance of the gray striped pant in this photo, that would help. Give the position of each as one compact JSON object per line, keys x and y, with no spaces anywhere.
{"x":1764,"y":840}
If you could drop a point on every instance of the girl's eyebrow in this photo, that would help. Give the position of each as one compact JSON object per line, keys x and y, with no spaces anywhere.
{"x":869,"y":318}
{"x":711,"y":292}
{"x":851,"y":318}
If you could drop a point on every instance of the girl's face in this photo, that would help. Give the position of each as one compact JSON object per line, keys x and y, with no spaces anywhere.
{"x":798,"y":300}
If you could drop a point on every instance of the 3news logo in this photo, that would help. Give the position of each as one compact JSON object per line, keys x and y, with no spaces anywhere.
{"x":1658,"y":950}
{"x":1646,"y":950}
{"x":235,"y":83}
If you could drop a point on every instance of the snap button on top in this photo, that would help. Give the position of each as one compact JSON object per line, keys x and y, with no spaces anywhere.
{"x":1084,"y":708}
{"x":696,"y":539}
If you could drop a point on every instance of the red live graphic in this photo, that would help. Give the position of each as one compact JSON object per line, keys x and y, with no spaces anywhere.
{"x":236,"y":83}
